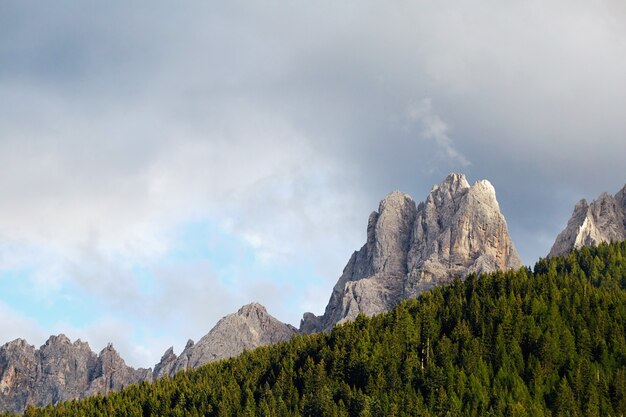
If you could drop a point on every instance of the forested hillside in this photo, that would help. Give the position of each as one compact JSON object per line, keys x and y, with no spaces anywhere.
{"x":548,"y":342}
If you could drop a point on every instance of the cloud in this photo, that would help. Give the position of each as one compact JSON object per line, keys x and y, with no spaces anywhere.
{"x":121,"y":125}
{"x":15,"y":325}
{"x":433,"y":128}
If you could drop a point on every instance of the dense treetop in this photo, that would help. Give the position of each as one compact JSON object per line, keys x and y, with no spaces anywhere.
{"x":548,"y":342}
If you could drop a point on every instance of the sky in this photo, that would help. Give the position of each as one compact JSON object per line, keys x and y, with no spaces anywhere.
{"x":163,"y":164}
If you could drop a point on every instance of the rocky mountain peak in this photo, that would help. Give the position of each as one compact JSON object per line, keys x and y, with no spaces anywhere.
{"x":458,"y":230}
{"x":166,"y":363}
{"x":449,"y":191}
{"x":110,"y":353}
{"x":394,"y":199}
{"x":58,"y":371}
{"x":454,"y":183}
{"x":484,"y":187}
{"x":251,"y":326}
{"x":581,"y":205}
{"x":57,"y":340}
{"x":17,"y":344}
{"x":604,"y":220}
{"x":253,"y":310}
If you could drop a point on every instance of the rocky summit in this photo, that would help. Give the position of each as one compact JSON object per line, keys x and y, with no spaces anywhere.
{"x":604,"y":220}
{"x":60,"y":370}
{"x":252,"y":326}
{"x":458,"y":230}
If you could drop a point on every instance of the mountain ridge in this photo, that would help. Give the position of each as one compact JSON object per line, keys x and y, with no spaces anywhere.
{"x":63,"y":370}
{"x":251,"y":326}
{"x":60,"y":370}
{"x":410,"y":248}
{"x":604,"y":220}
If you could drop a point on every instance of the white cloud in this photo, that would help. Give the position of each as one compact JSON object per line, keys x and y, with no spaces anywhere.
{"x":433,"y":128}
{"x":235,"y":114}
{"x":16,"y":325}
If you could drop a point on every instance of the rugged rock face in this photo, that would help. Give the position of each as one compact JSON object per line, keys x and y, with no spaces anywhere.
{"x":19,"y":363}
{"x":249,"y":328}
{"x":458,"y":230}
{"x":604,"y":220}
{"x":166,"y":364}
{"x":111,"y":373}
{"x":60,"y":370}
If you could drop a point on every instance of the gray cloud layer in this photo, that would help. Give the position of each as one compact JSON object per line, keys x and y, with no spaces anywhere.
{"x":288,"y":122}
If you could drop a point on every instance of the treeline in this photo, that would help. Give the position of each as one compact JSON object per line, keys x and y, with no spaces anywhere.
{"x":548,"y":342}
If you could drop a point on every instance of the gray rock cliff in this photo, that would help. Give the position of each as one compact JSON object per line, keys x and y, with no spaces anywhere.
{"x":604,"y":220}
{"x":58,"y":371}
{"x":61,"y":370}
{"x":458,"y":230}
{"x":19,"y":364}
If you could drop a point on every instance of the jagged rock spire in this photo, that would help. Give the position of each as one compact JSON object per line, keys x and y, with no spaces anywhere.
{"x":604,"y":220}
{"x":458,"y":230}
{"x":61,"y":370}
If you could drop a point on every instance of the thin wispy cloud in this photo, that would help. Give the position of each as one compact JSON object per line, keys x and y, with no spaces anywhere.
{"x":431,"y":127}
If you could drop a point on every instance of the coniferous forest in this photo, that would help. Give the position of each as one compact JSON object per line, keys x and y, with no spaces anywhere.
{"x":548,"y":342}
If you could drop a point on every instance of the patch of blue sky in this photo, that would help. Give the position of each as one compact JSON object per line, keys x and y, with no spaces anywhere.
{"x":70,"y":304}
{"x":294,"y":279}
{"x":144,"y":278}
{"x":204,"y":240}
{"x":236,"y":265}
{"x":232,"y":259}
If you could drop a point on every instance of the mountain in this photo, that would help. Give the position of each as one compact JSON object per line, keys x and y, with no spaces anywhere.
{"x":604,"y":220}
{"x":410,"y":248}
{"x":60,"y":370}
{"x":546,"y":342}
{"x":248,"y":328}
{"x":458,"y":230}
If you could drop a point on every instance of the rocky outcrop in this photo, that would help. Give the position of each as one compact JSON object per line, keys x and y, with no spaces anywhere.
{"x":111,"y":373}
{"x":248,"y":328}
{"x":166,"y":364}
{"x":19,"y":364}
{"x":604,"y":220}
{"x":458,"y":230}
{"x":60,"y":370}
